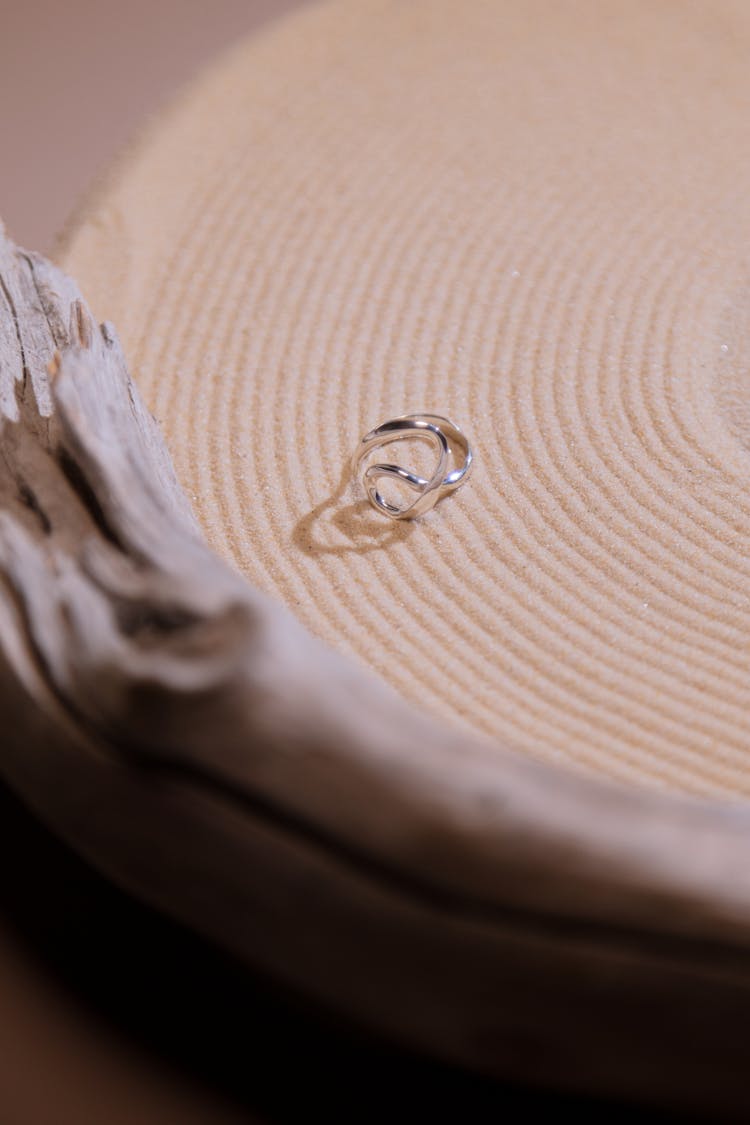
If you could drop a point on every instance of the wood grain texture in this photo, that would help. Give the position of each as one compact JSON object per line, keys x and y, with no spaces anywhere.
{"x":187,"y":736}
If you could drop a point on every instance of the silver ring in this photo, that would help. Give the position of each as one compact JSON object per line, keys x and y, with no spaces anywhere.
{"x":450,"y":444}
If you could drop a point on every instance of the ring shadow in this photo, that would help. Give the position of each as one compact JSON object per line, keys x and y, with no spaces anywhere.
{"x":358,"y":522}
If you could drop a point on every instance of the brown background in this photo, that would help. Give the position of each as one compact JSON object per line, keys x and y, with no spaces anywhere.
{"x":77,"y":77}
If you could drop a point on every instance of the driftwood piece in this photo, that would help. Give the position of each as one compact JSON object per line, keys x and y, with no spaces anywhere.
{"x":188,"y":737}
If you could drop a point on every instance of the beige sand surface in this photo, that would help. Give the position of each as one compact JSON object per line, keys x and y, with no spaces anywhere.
{"x":534,"y":218}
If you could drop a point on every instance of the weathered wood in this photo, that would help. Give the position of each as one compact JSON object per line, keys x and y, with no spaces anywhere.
{"x":187,"y":735}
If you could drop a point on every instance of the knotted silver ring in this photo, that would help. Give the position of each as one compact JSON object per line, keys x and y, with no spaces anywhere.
{"x":450,"y":444}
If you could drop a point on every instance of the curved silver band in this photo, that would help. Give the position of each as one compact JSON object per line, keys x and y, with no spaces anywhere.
{"x":450,"y":444}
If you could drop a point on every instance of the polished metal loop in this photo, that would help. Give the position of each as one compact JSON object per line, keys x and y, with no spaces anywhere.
{"x":450,"y":445}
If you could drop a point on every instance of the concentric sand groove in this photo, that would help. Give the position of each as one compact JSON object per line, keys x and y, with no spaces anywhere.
{"x":532,"y":218}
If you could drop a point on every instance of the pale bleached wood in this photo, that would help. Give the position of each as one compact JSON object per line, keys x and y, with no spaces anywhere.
{"x":188,"y":737}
